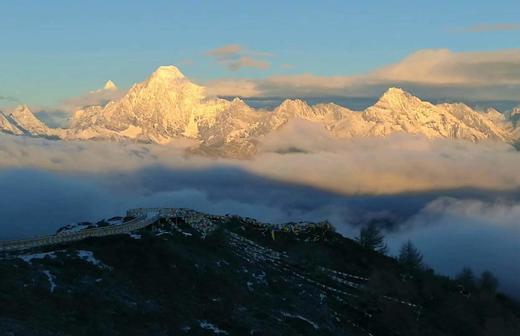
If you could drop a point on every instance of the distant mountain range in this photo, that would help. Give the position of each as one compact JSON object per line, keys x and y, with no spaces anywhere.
{"x":167,"y":106}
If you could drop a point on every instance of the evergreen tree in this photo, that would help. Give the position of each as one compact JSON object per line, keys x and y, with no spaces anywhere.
{"x":372,"y":238}
{"x":488,"y":282}
{"x":466,"y":278}
{"x":410,"y":257}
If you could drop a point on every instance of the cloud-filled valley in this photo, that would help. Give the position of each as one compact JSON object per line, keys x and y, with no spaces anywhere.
{"x":413,"y":167}
{"x":300,"y":173}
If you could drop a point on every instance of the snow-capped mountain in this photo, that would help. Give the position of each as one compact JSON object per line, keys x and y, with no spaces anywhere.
{"x":25,"y":121}
{"x":168,"y":106}
{"x":399,"y":111}
{"x":7,"y":127}
{"x":165,"y":106}
{"x":109,"y":85}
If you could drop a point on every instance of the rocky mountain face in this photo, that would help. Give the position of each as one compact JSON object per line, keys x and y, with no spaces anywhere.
{"x":199,"y":274}
{"x":399,"y":111}
{"x":168,"y":106}
{"x":23,"y":122}
{"x":23,"y":118}
{"x":165,"y":106}
{"x":7,"y":127}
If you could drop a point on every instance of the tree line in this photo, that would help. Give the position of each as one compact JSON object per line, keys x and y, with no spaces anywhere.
{"x":411,"y":259}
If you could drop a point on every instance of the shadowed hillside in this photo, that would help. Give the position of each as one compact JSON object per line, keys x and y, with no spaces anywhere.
{"x":196,"y":274}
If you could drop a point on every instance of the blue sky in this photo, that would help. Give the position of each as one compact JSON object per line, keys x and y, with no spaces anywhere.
{"x":52,"y":50}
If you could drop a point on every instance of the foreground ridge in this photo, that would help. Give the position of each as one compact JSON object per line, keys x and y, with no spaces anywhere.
{"x":139,"y":218}
{"x":180,"y":271}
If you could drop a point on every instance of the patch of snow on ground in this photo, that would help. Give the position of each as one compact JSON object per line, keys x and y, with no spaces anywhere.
{"x":88,"y":256}
{"x":313,"y":324}
{"x":162,"y":232}
{"x":28,"y":258}
{"x":51,"y":279}
{"x":209,"y":326}
{"x":135,"y":235}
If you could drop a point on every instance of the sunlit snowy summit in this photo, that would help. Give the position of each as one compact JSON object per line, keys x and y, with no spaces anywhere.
{"x":168,"y":106}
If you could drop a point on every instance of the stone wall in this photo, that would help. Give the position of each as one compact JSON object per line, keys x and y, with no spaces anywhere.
{"x":23,"y":244}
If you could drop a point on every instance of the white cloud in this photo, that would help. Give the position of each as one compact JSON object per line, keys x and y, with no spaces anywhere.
{"x":225,"y":52}
{"x":301,"y":173}
{"x":430,"y":72}
{"x":395,"y":164}
{"x":444,"y":67}
{"x":247,"y":62}
{"x":234,"y":57}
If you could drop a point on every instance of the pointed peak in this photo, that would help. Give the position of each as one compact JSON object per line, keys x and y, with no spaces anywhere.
{"x":109,"y":85}
{"x":293,"y":102}
{"x":396,"y":92}
{"x":397,"y":97}
{"x":167,"y":72}
{"x":22,"y":109}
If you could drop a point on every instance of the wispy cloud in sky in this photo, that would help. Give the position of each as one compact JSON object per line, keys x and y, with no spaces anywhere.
{"x":428,"y":72}
{"x":480,"y":28}
{"x":8,"y":99}
{"x":225,"y":52}
{"x":234,"y":57}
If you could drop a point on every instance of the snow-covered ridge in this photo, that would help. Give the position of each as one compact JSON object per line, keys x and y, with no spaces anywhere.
{"x":168,"y":106}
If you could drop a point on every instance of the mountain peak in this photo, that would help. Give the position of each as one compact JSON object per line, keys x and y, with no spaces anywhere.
{"x":109,"y":85}
{"x":394,"y":98}
{"x":394,"y":92}
{"x":25,"y":120}
{"x":21,"y":110}
{"x":293,"y":103}
{"x":167,"y":72}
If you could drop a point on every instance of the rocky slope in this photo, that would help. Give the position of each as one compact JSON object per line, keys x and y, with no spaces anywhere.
{"x":178,"y":107}
{"x":7,"y":127}
{"x":198,"y":274}
{"x":25,"y":120}
{"x":167,"y":106}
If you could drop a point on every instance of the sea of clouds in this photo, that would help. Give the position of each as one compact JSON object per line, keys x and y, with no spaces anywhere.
{"x":458,"y":201}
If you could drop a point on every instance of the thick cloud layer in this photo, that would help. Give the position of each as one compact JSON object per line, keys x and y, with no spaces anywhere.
{"x":300,"y":153}
{"x":300,"y":174}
